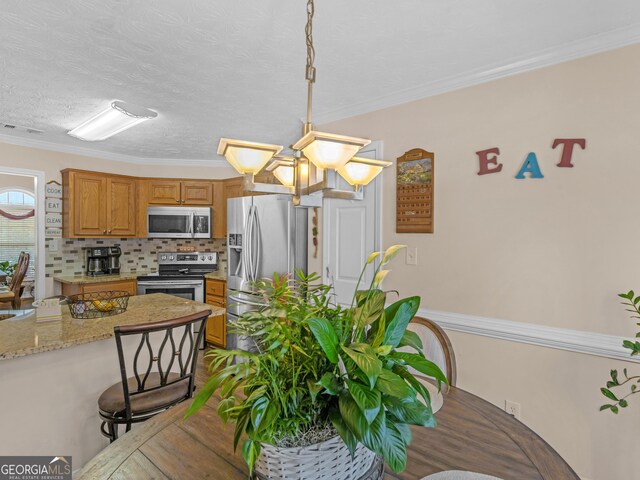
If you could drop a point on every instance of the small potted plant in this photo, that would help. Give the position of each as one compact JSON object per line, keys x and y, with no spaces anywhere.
{"x":326,"y":394}
{"x":611,"y":391}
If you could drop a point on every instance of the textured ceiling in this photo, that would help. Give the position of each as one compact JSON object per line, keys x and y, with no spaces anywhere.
{"x":235,"y":68}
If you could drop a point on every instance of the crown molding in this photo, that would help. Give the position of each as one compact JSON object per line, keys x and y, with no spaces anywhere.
{"x":603,"y":42}
{"x":577,"y":341}
{"x":115,"y":157}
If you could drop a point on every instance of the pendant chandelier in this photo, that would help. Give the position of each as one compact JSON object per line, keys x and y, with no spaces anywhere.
{"x":309,"y":172}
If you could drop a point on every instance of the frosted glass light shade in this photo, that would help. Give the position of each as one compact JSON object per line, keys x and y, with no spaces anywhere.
{"x":118,"y":117}
{"x":327,"y":150}
{"x":361,"y":171}
{"x":284,"y":174}
{"x":247,"y":157}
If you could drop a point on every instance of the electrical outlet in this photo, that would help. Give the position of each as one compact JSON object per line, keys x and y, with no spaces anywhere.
{"x":412,"y":256}
{"x":512,"y":408}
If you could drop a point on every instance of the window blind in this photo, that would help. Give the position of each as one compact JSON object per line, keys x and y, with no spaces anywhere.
{"x":17,"y":236}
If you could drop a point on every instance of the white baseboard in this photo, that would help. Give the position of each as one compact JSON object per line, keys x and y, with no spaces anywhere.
{"x":578,"y":341}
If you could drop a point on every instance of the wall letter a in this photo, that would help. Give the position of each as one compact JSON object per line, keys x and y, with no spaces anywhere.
{"x":531,"y":166}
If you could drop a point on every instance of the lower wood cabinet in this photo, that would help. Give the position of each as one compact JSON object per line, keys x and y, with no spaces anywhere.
{"x":76,"y":289}
{"x":216,"y":330}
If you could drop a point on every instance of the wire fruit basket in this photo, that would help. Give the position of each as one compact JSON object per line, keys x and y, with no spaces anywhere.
{"x":98,"y":304}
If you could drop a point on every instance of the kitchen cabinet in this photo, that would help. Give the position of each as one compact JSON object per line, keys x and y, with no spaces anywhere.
{"x":80,"y":288}
{"x":229,"y":188}
{"x":179,"y":192}
{"x":98,"y":205}
{"x":216,"y":329}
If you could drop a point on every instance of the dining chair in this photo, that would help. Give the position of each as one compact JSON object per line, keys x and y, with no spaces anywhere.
{"x":12,"y":293}
{"x":436,"y":346}
{"x":162,"y":357}
{"x":459,"y":475}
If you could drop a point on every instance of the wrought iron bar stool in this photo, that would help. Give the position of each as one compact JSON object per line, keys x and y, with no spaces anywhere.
{"x":162,"y":376}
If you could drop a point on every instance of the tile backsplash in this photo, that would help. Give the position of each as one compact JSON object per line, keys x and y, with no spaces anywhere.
{"x":138,"y":254}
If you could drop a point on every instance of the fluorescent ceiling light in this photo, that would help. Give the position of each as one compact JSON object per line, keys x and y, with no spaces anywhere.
{"x":118,"y":117}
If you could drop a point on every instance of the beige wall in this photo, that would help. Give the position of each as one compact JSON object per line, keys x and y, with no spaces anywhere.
{"x":21,"y":181}
{"x":52,"y":162}
{"x":553,"y":251}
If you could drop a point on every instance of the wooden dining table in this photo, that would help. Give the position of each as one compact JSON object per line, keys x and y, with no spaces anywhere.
{"x":472,"y":434}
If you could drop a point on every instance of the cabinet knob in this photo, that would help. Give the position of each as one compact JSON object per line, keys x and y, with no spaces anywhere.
{"x":108,"y":231}
{"x":104,"y":231}
{"x":177,"y":201}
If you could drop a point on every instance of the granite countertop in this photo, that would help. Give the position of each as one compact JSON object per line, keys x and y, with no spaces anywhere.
{"x":87,"y":279}
{"x":22,"y":335}
{"x":219,"y":275}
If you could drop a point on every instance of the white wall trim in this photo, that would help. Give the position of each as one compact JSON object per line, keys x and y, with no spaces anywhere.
{"x":578,"y":341}
{"x":40,"y":226}
{"x":603,"y":42}
{"x":116,"y":157}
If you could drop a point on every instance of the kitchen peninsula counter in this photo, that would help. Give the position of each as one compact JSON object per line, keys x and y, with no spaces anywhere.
{"x":54,"y":372}
{"x":25,"y":336}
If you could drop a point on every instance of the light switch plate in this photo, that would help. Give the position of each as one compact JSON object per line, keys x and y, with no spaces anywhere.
{"x":412,"y":256}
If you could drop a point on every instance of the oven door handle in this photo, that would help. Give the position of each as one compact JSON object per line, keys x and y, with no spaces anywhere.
{"x":163,"y":283}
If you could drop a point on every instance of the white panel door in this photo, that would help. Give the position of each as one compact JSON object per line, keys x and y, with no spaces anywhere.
{"x":351,"y":231}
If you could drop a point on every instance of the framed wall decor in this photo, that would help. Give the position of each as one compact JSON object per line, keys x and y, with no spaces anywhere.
{"x":414,"y":192}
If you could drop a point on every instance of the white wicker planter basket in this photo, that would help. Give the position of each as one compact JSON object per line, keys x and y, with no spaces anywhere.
{"x":329,"y":460}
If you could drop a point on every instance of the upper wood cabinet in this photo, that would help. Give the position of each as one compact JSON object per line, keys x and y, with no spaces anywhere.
{"x":98,"y":205}
{"x":121,"y":206}
{"x":179,"y":192}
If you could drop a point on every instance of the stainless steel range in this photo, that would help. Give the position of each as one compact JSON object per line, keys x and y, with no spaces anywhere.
{"x":180,"y":274}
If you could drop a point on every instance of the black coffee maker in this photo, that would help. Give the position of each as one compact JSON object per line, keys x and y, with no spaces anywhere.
{"x":114,"y":260}
{"x":97,"y":261}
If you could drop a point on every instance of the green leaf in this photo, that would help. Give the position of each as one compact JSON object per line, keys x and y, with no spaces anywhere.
{"x":368,"y":400}
{"x":623,"y":403}
{"x":369,"y":307}
{"x":224,"y":406}
{"x":415,"y":383}
{"x":403,"y":428}
{"x":352,"y":416}
{"x":614,"y":409}
{"x":412,"y":412}
{"x":384,"y":350}
{"x":609,"y":394}
{"x":391,"y":252}
{"x":391,"y":384}
{"x":326,"y":337}
{"x":370,"y":365}
{"x":411,"y":339}
{"x":241,"y":425}
{"x":374,"y":435}
{"x":421,"y":364}
{"x":345,"y":434}
{"x":258,"y":410}
{"x":401,"y":317}
{"x":204,"y":394}
{"x":250,"y":452}
{"x":394,"y":449}
{"x":331,"y":383}
{"x":605,"y":407}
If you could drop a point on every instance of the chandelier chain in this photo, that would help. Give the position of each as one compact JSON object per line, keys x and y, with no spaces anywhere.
{"x":311,"y":52}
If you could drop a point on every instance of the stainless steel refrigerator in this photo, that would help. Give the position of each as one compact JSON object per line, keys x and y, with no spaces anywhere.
{"x":266,"y":234}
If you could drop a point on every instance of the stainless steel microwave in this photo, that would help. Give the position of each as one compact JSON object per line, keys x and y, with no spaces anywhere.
{"x":178,"y":222}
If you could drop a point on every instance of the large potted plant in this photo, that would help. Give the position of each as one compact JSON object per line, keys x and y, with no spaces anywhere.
{"x":326,"y":394}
